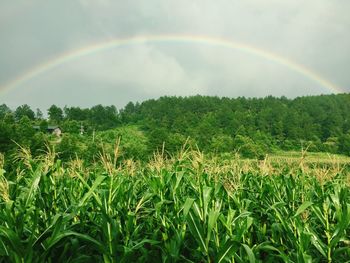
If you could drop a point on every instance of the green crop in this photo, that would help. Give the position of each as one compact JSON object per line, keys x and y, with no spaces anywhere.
{"x":184,"y":209}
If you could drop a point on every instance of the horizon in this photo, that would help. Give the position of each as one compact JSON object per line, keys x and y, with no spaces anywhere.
{"x":177,"y":96}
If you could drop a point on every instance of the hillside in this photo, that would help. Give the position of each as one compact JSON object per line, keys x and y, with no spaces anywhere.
{"x":249,"y":126}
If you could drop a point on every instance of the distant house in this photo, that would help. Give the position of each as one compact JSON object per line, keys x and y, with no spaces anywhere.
{"x":56,"y":130}
{"x":53,"y":129}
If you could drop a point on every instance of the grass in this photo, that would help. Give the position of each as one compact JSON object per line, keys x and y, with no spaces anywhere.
{"x":188,"y":208}
{"x":311,"y":157}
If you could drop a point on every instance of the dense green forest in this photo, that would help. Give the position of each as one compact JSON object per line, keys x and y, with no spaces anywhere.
{"x":251,"y":127}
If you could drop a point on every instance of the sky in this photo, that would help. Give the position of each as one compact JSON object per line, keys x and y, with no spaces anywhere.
{"x":255,"y":36}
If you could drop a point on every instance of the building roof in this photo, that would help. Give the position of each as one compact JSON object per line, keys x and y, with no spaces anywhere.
{"x":52,"y":127}
{"x":49,"y":127}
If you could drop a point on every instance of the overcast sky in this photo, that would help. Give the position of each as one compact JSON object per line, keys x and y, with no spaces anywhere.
{"x":313,"y":33}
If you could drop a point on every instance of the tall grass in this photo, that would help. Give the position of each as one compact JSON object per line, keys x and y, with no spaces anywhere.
{"x":188,"y":208}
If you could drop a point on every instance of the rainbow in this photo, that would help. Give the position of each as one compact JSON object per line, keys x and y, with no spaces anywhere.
{"x":187,"y":39}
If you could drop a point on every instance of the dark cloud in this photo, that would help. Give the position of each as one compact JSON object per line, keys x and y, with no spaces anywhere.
{"x":313,"y":33}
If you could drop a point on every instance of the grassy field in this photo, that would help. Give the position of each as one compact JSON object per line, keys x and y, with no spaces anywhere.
{"x":189,"y":208}
{"x":311,"y":157}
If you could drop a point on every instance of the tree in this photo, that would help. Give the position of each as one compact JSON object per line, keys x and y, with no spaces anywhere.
{"x":76,"y":113}
{"x":24,"y":131}
{"x":39,"y":115}
{"x":222,"y":143}
{"x":71,"y":126}
{"x":9,"y":118}
{"x":344,"y":144}
{"x":156,"y":138}
{"x":104,"y":117}
{"x":4,"y":110}
{"x":38,"y":143}
{"x":43,"y":125}
{"x":6,"y":135}
{"x":55,"y":114}
{"x":175,"y":141}
{"x":128,"y":112}
{"x":68,"y":148}
{"x":23,"y":111}
{"x":247,"y":148}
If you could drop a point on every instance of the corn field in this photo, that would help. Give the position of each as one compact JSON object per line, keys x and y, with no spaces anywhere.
{"x":188,"y":208}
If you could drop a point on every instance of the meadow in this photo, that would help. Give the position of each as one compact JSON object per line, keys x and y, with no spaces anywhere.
{"x":186,"y":208}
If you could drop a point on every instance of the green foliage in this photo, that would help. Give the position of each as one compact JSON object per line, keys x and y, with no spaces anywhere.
{"x":68,"y":147}
{"x":4,"y":110}
{"x":103,"y":118}
{"x":6,"y":134}
{"x":55,"y":114}
{"x":39,"y":115}
{"x":24,"y":131}
{"x":248,"y":148}
{"x":157,"y":138}
{"x":175,"y":141}
{"x":76,"y":113}
{"x":133,"y":142}
{"x":344,"y":144}
{"x":250,"y":126}
{"x":24,"y":111}
{"x":271,"y":123}
{"x":222,"y":143}
{"x":186,"y":209}
{"x":43,"y":125}
{"x":331,"y":145}
{"x":71,"y":126}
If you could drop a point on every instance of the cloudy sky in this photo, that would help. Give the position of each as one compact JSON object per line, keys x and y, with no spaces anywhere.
{"x":313,"y":34}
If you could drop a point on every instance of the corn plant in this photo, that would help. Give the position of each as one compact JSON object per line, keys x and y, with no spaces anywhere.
{"x":187,"y":208}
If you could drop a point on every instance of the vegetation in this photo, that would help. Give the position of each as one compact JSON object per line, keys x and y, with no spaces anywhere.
{"x":258,"y":180}
{"x":253,"y":127}
{"x":188,"y":208}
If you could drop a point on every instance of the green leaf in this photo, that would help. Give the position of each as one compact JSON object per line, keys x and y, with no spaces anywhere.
{"x":92,"y":189}
{"x":206,"y":199}
{"x":307,"y":258}
{"x":267,"y":247}
{"x":319,"y":245}
{"x":187,"y":206}
{"x":242,"y":215}
{"x":303,"y":207}
{"x":197,"y":231}
{"x":341,"y":226}
{"x":319,"y":215}
{"x":178,"y":180}
{"x":212,"y":219}
{"x":3,"y":249}
{"x":68,"y":233}
{"x":11,"y":238}
{"x":227,"y":251}
{"x":34,"y":185}
{"x":140,"y":244}
{"x":47,"y":234}
{"x":250,"y":253}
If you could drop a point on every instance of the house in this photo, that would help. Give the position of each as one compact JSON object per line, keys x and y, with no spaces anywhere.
{"x":56,"y":130}
{"x":53,"y":129}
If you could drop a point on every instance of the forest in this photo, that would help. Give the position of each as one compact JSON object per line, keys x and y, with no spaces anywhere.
{"x":252,"y":127}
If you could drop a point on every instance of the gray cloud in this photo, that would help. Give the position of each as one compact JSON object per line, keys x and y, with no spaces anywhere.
{"x":312,"y":33}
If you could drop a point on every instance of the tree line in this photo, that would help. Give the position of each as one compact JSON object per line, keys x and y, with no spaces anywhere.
{"x":250,"y":126}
